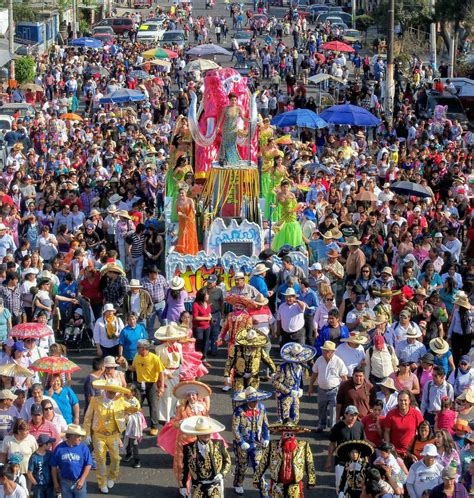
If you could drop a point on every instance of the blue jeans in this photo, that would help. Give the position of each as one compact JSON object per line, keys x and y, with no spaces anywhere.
{"x":137,"y":267}
{"x":156,"y":315}
{"x":215,"y":329}
{"x":67,"y":492}
{"x":42,"y":491}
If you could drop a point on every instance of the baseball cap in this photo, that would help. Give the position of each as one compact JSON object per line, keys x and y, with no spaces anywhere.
{"x":212,"y":279}
{"x":45,"y":439}
{"x":351,"y":410}
{"x":465,"y":358}
{"x":36,"y":409}
{"x":438,"y":235}
{"x":315,"y":266}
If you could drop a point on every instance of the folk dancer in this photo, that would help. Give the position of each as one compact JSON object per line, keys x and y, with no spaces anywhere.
{"x":288,"y":380}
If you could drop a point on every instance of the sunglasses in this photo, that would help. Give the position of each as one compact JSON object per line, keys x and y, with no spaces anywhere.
{"x":47,"y":408}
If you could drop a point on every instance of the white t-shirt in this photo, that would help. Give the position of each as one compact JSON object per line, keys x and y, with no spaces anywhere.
{"x":19,"y":492}
{"x":329,"y":373}
{"x":350,"y":356}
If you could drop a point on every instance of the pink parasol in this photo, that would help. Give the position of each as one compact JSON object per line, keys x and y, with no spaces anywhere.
{"x":32,"y":330}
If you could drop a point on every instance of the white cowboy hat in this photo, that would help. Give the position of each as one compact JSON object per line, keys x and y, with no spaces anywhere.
{"x":187,"y":387}
{"x":170,"y":332}
{"x":112,"y":209}
{"x":135,"y":284}
{"x":388,"y":383}
{"x":76,"y":430}
{"x":199,"y":425}
{"x":289,"y":292}
{"x":413,"y":333}
{"x":115,"y":199}
{"x":108,"y":307}
{"x":176,"y":283}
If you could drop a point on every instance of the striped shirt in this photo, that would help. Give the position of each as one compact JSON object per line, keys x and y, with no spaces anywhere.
{"x":138,"y":241}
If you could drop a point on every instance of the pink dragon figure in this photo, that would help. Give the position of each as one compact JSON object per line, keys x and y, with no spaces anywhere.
{"x":439,"y":119}
{"x":204,"y":122}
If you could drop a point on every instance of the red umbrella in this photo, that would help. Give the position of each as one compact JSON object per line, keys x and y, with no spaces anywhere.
{"x":171,"y":54}
{"x":30,"y":331}
{"x":338,"y":46}
{"x":55,"y":365}
{"x":320,"y":57}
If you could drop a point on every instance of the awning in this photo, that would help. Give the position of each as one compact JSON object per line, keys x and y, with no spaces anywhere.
{"x":321,"y":77}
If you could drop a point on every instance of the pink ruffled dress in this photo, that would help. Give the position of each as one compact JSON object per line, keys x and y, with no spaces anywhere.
{"x":191,"y":366}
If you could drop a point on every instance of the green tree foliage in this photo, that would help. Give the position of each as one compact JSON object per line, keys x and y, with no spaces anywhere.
{"x":25,"y":69}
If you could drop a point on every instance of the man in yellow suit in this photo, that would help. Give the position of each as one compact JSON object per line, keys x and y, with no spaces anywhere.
{"x":104,"y":422}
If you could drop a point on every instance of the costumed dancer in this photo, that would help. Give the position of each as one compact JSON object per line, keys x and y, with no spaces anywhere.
{"x":238,"y":319}
{"x":269,"y":153}
{"x":251,"y":434}
{"x":245,"y":359}
{"x":355,"y":453}
{"x":105,"y":421}
{"x":278,"y":173}
{"x":205,"y":461}
{"x":288,"y":380}
{"x":174,"y":177}
{"x":288,"y":461}
{"x":231,"y":120}
{"x":191,"y":366}
{"x":289,"y":230}
{"x":170,"y":354}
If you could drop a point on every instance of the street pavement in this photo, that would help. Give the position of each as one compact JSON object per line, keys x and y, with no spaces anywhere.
{"x":155,"y":477}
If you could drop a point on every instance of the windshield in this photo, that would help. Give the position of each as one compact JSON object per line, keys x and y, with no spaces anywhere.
{"x":5,"y":125}
{"x":454,"y":105}
{"x":172,"y":37}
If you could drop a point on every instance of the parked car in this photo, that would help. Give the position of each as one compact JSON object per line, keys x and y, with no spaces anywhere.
{"x":455,"y":108}
{"x":173,"y":37}
{"x":150,"y":31}
{"x":6,"y":122}
{"x":120,"y":25}
{"x":105,"y":38}
{"x":242,"y":37}
{"x":104,"y":30}
{"x":465,"y":93}
{"x":344,"y":16}
{"x":23,"y":109}
{"x":352,"y":36}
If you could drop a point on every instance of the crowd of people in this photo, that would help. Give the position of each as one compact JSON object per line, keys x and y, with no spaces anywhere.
{"x":378,"y":324}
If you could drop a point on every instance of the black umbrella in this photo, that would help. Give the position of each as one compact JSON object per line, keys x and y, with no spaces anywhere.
{"x":317,"y":167}
{"x":343,"y":451}
{"x":410,"y":189}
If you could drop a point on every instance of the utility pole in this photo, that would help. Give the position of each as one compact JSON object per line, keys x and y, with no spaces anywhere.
{"x":74,"y":19}
{"x":452,"y":52}
{"x":390,"y":83}
{"x":11,"y":38}
{"x":354,"y":13}
{"x":432,"y":37}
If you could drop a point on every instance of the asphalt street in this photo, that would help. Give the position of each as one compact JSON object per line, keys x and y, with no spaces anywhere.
{"x":155,"y":477}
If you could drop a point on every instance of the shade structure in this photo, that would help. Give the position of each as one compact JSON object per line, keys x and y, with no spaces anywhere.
{"x":337,"y":46}
{"x":410,"y":189}
{"x":159,"y":53}
{"x":139,"y":74}
{"x":348,"y":114}
{"x":201,"y":65}
{"x":303,"y":118}
{"x":32,"y":87}
{"x":71,"y":116}
{"x":366,"y":196}
{"x":121,"y":96}
{"x":86,"y":42}
{"x":101,"y":71}
{"x":208,"y":49}
{"x":15,"y":370}
{"x":55,"y":364}
{"x":31,"y":330}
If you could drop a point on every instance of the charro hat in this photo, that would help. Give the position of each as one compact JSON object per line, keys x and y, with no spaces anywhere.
{"x":251,"y":337}
{"x":344,"y":450}
{"x":289,"y":427}
{"x":294,"y":352}
{"x":187,"y":387}
{"x":110,"y":386}
{"x":170,"y":332}
{"x":251,"y":394}
{"x":200,"y":425}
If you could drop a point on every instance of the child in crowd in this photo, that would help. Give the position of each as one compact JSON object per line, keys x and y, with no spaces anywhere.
{"x":39,"y":470}
{"x":14,"y":461}
{"x":134,"y":430}
{"x":446,"y":417}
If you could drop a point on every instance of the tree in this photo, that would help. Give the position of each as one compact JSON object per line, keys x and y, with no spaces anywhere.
{"x":25,"y":69}
{"x":452,"y":15}
{"x":363,"y":23}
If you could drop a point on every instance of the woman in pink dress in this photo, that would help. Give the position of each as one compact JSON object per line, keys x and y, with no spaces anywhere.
{"x":191,"y":366}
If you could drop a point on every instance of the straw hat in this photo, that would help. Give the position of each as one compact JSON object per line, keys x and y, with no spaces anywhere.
{"x":261,"y":300}
{"x":75,"y":430}
{"x":294,"y":352}
{"x":260,"y":269}
{"x":112,"y":209}
{"x":336,"y":233}
{"x":124,"y":214}
{"x":328,"y":346}
{"x":328,"y":235}
{"x":439,"y":346}
{"x":250,"y":394}
{"x":115,"y":199}
{"x":461,"y":299}
{"x":18,"y":146}
{"x":170,"y":332}
{"x":110,"y":386}
{"x":353,"y":241}
{"x":114,"y":267}
{"x":289,"y":292}
{"x":109,"y":362}
{"x":200,"y":426}
{"x":462,"y":425}
{"x":288,"y":428}
{"x":421,"y":291}
{"x":413,"y":333}
{"x":467,"y":395}
{"x":251,"y":337}
{"x":187,"y":387}
{"x":176,"y":283}
{"x":135,"y":284}
{"x":333,"y":253}
{"x":356,"y":338}
{"x":388,"y":383}
{"x":386,"y":292}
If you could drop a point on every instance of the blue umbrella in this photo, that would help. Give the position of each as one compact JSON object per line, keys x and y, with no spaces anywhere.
{"x":348,"y":114}
{"x":86,"y":42}
{"x":304,"y":118}
{"x":208,"y":49}
{"x":121,"y":96}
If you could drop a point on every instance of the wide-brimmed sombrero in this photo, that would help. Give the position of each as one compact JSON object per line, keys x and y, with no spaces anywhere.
{"x":250,"y":394}
{"x":343,"y":451}
{"x":187,"y":387}
{"x":105,"y":385}
{"x":171,"y":332}
{"x":112,"y":267}
{"x":386,"y":292}
{"x":199,"y":426}
{"x":251,"y":337}
{"x":297,"y":429}
{"x":296,"y":353}
{"x":439,"y":346}
{"x":244,"y":301}
{"x":356,"y":338}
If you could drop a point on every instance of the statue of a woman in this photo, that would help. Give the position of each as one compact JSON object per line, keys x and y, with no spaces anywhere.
{"x":229,"y":119}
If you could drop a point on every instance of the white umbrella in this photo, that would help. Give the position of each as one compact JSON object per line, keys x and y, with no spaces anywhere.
{"x":201,"y":65}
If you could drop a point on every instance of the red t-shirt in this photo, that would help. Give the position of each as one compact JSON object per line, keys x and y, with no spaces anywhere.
{"x":200,"y":311}
{"x":370,"y":429}
{"x":402,"y":428}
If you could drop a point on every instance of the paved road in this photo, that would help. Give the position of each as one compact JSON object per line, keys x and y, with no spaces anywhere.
{"x":156,"y":478}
